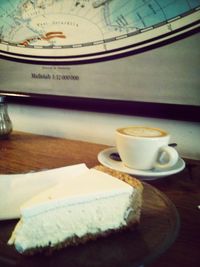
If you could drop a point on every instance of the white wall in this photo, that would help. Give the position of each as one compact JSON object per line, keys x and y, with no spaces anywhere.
{"x":99,"y":127}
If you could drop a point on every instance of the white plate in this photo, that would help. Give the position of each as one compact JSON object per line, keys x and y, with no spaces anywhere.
{"x":105,"y":159}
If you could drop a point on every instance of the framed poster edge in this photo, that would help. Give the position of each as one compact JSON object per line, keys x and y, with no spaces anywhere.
{"x":122,"y":107}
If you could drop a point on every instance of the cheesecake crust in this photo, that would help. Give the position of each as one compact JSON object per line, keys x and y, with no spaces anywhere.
{"x":132,"y":216}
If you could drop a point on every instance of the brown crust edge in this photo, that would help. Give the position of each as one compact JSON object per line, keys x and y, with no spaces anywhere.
{"x":122,"y":176}
{"x":132,"y":219}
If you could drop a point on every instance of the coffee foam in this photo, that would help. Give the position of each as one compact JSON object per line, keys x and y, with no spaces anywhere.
{"x":140,"y":131}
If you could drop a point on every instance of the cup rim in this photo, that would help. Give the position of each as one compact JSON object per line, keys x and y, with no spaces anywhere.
{"x":166,"y":134}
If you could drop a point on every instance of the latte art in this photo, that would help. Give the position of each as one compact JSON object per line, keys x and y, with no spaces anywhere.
{"x":143,"y":147}
{"x":142,"y":131}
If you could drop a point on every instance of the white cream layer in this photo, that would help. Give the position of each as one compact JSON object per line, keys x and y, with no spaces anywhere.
{"x":90,"y":203}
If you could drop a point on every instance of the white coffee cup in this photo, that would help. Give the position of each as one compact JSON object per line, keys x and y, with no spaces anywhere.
{"x":145,"y":148}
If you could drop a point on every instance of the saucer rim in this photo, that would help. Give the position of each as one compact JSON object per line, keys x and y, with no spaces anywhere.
{"x":145,"y":173}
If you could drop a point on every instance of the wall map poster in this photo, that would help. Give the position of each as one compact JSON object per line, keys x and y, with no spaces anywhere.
{"x":76,"y":30}
{"x":53,"y":42}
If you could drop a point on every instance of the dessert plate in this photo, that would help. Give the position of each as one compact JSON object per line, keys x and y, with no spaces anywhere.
{"x":110,"y":158}
{"x":158,"y":229}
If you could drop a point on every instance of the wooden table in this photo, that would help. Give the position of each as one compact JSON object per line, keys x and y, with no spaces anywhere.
{"x":24,"y":152}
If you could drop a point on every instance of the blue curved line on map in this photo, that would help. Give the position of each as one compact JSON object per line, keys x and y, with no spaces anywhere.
{"x":190,"y":4}
{"x":143,"y":14}
{"x":110,"y":55}
{"x":107,"y":40}
{"x":137,"y":14}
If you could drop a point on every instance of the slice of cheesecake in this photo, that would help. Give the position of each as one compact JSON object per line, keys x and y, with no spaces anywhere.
{"x":94,"y":204}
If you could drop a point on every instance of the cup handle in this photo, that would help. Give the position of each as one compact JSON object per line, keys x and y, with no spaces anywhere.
{"x":172,"y":156}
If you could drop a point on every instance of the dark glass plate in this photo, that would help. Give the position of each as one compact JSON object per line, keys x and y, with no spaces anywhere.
{"x":157,"y":231}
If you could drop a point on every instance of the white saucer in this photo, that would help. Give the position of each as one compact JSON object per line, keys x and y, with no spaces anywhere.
{"x":105,"y":159}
